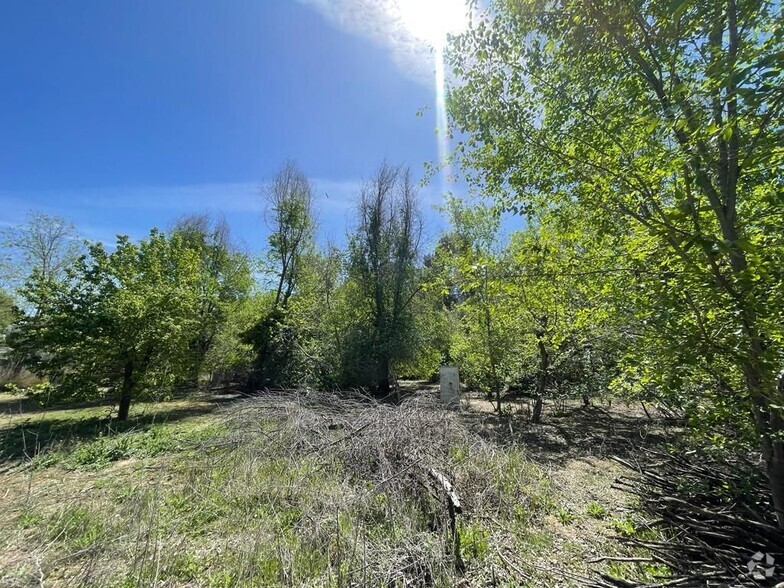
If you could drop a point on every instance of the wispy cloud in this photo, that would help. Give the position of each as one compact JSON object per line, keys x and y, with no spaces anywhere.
{"x":101,"y":213}
{"x":380,"y":21}
{"x":229,"y":197}
{"x":235,"y":197}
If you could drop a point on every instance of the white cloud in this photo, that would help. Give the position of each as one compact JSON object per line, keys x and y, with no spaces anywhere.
{"x":380,"y":21}
{"x":101,"y":213}
{"x":230,"y":197}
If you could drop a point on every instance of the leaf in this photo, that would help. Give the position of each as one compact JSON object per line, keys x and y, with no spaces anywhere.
{"x":678,"y":7}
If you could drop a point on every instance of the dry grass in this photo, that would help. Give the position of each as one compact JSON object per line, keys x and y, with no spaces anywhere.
{"x":308,"y":490}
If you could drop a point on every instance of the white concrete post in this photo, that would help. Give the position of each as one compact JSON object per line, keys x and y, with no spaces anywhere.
{"x":450,"y":385}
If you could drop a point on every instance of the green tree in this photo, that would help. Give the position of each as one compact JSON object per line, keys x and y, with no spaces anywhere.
{"x":663,"y":121}
{"x":7,"y":313}
{"x":471,"y":280}
{"x":122,"y":320}
{"x":319,"y":320}
{"x":290,"y":218}
{"x":383,"y":256}
{"x":551,"y":276}
{"x":224,"y":281}
{"x":289,"y":214}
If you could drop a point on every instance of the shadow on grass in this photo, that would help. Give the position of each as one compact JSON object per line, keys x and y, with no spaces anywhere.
{"x":53,"y":429}
{"x":577,"y":432}
{"x":23,"y":405}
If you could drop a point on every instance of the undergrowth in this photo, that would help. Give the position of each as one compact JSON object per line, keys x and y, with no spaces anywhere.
{"x":293,"y":491}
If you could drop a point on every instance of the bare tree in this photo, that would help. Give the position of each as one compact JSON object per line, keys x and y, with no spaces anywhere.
{"x":384,"y":253}
{"x":289,"y":215}
{"x":45,"y":245}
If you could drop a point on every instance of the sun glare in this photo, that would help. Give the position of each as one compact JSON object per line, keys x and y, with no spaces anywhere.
{"x":432,"y":20}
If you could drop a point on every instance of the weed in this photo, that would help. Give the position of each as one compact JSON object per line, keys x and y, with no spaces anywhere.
{"x":29,"y":518}
{"x":76,"y":526}
{"x":474,"y":542}
{"x":596,"y":510}
{"x":564,"y":515}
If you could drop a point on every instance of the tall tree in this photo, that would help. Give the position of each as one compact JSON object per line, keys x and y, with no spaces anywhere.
{"x":44,"y":244}
{"x":663,"y":120}
{"x":469,"y":258}
{"x":289,"y":200}
{"x":224,"y":277}
{"x":125,"y":318}
{"x":383,"y":264}
{"x":289,"y":214}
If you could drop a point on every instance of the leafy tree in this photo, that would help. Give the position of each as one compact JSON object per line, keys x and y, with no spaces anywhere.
{"x":224,"y":280}
{"x":663,"y":121}
{"x":319,"y":320}
{"x":486,"y":346}
{"x":290,"y":217}
{"x":289,"y":213}
{"x":383,"y":255}
{"x":122,"y":320}
{"x":7,"y":313}
{"x":551,"y":275}
{"x":230,"y":357}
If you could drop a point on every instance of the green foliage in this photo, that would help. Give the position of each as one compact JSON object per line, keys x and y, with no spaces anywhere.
{"x":383,"y":256}
{"x":230,"y":356}
{"x":658,"y":131}
{"x":224,"y":285}
{"x":474,"y":542}
{"x":564,"y":515}
{"x":525,"y":319}
{"x":8,"y":313}
{"x":467,"y":264}
{"x":110,"y":446}
{"x":78,"y":527}
{"x":275,"y":339}
{"x":290,"y":216}
{"x":596,"y":510}
{"x":122,"y":320}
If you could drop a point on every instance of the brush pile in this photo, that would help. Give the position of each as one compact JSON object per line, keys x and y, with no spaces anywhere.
{"x":715,"y":515}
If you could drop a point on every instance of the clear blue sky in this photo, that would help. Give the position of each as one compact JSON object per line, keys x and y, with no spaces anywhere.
{"x":123,"y":115}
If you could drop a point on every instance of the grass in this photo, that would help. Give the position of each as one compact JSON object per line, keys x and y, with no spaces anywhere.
{"x":50,"y":435}
{"x":290,"y":491}
{"x":596,"y":510}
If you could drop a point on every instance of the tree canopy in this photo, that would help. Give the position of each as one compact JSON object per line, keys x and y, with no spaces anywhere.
{"x":661,"y":122}
{"x":121,"y":321}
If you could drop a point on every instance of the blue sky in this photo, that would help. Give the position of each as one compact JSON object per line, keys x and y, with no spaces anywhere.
{"x":123,"y":115}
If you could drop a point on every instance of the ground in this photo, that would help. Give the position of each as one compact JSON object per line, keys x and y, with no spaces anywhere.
{"x":315,"y":489}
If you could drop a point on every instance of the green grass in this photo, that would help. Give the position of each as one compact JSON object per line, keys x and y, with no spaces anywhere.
{"x":108,"y":448}
{"x":86,"y":435}
{"x":564,"y":515}
{"x":271,"y":495}
{"x":596,"y":511}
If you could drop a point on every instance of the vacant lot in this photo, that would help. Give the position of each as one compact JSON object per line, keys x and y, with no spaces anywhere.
{"x":314,"y":490}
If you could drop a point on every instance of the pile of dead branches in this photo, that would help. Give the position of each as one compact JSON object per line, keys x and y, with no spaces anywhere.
{"x":716,"y":526}
{"x":395,"y":460}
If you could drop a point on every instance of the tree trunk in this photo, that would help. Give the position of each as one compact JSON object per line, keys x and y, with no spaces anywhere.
{"x":536,"y":416}
{"x":773,"y":451}
{"x":125,"y":395}
{"x":770,"y":427}
{"x":541,"y":377}
{"x":385,"y":378}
